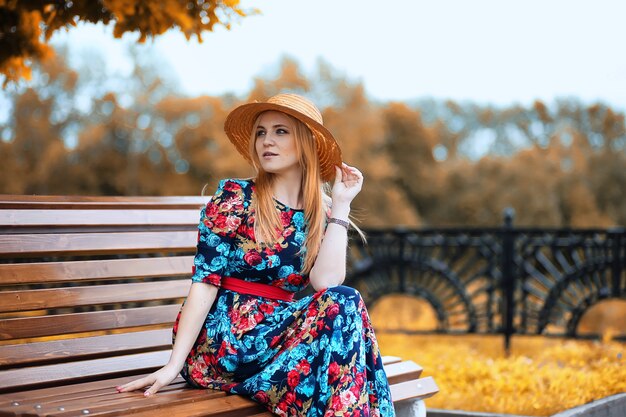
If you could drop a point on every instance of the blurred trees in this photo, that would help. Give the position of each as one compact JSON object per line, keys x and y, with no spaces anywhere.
{"x":26,"y":26}
{"x":425,"y":163}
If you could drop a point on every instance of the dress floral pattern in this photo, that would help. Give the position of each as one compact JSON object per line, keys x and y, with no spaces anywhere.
{"x":316,"y":357}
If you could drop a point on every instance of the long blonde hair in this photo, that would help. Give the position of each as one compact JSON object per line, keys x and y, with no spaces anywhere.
{"x":267,"y":223}
{"x":314,"y":193}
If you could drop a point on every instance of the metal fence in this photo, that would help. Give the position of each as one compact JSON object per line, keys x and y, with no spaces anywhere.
{"x":504,"y":280}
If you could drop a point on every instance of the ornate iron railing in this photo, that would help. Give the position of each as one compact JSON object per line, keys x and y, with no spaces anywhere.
{"x":505,"y":280}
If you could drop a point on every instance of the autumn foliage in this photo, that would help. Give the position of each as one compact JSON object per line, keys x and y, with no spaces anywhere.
{"x":540,"y":377}
{"x":426,"y":163}
{"x":26,"y":26}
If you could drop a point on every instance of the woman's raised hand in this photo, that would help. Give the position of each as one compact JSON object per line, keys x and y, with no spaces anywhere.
{"x":348,"y":183}
{"x":158,"y":379}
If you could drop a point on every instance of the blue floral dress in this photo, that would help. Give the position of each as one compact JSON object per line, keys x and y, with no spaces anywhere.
{"x":316,"y":356}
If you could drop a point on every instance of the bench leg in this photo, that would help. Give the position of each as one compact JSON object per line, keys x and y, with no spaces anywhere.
{"x":410,"y":408}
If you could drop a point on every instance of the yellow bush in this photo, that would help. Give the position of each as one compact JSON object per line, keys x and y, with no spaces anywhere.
{"x":542,"y":376}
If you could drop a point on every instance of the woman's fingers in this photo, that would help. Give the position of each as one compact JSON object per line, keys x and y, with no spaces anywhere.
{"x":141,"y":383}
{"x":153,"y":389}
{"x":136,"y":384}
{"x":338,"y":174}
{"x":348,"y":183}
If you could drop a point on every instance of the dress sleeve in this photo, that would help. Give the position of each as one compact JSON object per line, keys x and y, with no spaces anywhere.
{"x":219,"y":222}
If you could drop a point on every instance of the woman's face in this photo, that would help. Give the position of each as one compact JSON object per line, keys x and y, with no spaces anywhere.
{"x":275,"y":144}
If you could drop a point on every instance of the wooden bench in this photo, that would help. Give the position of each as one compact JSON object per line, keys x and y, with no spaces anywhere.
{"x":89,"y":289}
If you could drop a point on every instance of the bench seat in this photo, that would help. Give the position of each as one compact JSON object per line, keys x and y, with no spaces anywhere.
{"x":89,"y":290}
{"x":99,"y":398}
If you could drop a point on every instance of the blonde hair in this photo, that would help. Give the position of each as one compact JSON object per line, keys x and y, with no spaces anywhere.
{"x":314,"y":193}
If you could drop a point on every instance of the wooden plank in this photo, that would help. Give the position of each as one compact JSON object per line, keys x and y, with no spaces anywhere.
{"x":24,"y":300}
{"x":86,"y":322}
{"x":32,"y":198}
{"x":402,"y":371}
{"x":421,"y":389}
{"x":109,"y":399}
{"x":96,"y":243}
{"x":387,"y":360}
{"x":67,"y":372}
{"x":51,"y":272}
{"x":80,"y":390}
{"x":106,"y":401}
{"x":81,"y":396}
{"x":87,"y":202}
{"x":124,"y":404}
{"x":80,"y":348}
{"x":57,"y":218}
{"x":226,"y":406}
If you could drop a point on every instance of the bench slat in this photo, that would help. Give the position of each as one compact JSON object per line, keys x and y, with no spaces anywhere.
{"x":388,"y":360}
{"x":186,"y":403}
{"x":57,"y":218}
{"x":79,"y":348}
{"x":402,"y":371}
{"x":87,"y":322}
{"x":227,"y":406}
{"x":116,"y":404}
{"x":96,"y":243}
{"x":51,"y":272}
{"x":137,"y":363}
{"x":74,"y":396}
{"x":99,"y":399}
{"x":422,"y":388}
{"x":81,"y":202}
{"x":12,"y":301}
{"x":42,"y":395}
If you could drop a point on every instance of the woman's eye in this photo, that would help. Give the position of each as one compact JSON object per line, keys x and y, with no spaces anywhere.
{"x":281,"y":131}
{"x":260,"y":133}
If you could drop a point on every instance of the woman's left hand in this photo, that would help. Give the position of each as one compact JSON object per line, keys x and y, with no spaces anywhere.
{"x":348,"y":183}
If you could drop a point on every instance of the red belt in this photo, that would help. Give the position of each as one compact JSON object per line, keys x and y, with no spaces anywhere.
{"x":255,"y":288}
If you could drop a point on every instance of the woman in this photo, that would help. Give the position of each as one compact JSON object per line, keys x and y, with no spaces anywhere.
{"x":261,"y":240}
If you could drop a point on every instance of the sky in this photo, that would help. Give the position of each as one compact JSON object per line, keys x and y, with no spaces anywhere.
{"x":487,"y":51}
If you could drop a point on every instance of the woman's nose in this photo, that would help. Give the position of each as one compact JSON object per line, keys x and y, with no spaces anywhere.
{"x":268,"y":139}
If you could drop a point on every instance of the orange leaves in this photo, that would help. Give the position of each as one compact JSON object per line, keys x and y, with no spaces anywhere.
{"x":29,"y":27}
{"x":541,"y":377}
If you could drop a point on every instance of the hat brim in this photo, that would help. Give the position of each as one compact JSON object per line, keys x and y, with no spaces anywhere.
{"x":240,"y":121}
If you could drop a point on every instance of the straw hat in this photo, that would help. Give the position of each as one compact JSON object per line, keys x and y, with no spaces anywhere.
{"x":240,"y":121}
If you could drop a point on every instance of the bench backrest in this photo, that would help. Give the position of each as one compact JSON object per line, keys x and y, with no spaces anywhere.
{"x":97,"y":281}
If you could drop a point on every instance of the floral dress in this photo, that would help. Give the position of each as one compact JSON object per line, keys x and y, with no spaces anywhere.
{"x":317,"y":356}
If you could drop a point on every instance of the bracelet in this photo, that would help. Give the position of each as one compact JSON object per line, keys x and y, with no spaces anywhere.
{"x":339,"y":222}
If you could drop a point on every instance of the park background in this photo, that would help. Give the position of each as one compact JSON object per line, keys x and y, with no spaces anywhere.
{"x":449,"y":147}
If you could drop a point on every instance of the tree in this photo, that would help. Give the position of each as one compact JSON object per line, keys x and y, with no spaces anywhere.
{"x":410,"y":144}
{"x":27,"y":25}
{"x":86,"y":132}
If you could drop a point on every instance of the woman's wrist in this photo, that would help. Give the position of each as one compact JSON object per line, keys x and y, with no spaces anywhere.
{"x":340,"y":211}
{"x":174,"y":364}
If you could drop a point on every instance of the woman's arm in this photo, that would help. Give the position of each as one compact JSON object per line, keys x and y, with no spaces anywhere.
{"x":330,"y":265}
{"x":199,"y":301}
{"x":217,"y":227}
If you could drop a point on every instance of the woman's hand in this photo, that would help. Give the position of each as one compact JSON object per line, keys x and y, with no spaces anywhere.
{"x":158,"y":379}
{"x":199,"y":301}
{"x":348,"y":183}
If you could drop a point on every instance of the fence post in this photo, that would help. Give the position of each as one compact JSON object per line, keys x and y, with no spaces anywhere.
{"x":508,"y":277}
{"x":616,"y":235}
